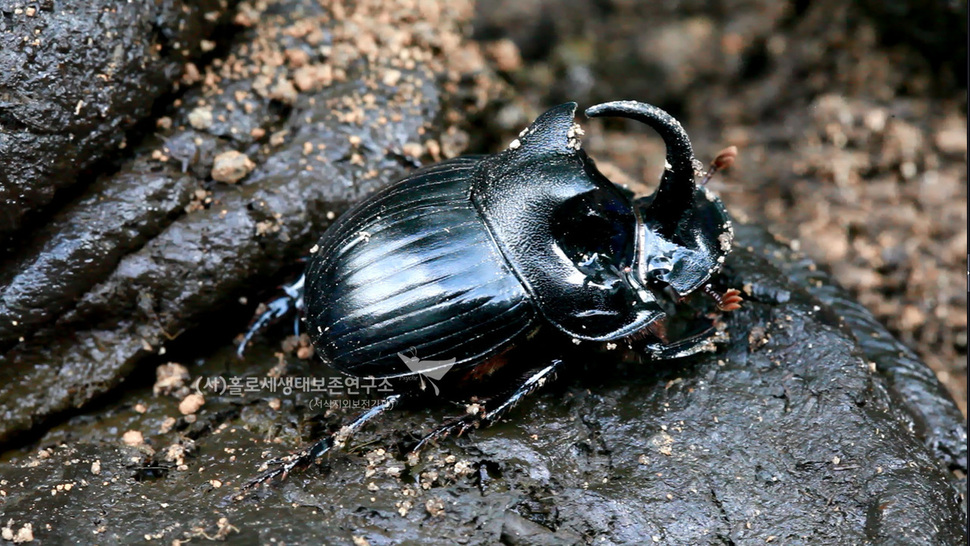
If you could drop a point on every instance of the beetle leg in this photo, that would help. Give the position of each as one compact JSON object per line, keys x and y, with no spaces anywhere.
{"x":457,"y":426}
{"x":291,"y":302}
{"x":306,"y":457}
{"x":485,"y":418}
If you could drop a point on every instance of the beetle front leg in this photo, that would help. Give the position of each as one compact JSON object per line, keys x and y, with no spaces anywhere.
{"x":485,"y":418}
{"x":291,"y":303}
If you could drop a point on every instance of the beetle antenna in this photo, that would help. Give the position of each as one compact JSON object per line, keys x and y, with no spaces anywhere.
{"x":723,"y":160}
{"x":675,"y":195}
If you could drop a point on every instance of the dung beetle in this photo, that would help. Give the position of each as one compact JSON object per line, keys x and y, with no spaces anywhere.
{"x":462,"y":260}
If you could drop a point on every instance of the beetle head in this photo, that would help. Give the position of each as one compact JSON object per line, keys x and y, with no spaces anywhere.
{"x":685,"y":233}
{"x":595,"y":260}
{"x":569,"y":234}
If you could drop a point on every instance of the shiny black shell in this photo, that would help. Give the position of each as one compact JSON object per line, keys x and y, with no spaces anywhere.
{"x":462,"y":259}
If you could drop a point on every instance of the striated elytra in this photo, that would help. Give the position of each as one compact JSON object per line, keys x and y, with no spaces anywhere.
{"x":461,"y":260}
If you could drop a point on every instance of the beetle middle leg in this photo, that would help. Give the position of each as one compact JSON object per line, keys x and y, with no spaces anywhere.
{"x":488,"y":416}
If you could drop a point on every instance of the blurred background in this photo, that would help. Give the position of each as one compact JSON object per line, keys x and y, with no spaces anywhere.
{"x":850,"y":117}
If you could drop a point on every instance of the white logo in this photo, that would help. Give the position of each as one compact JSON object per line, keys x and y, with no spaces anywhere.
{"x":430,"y":369}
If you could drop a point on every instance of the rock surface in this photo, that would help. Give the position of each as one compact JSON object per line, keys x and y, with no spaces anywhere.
{"x":74,"y":77}
{"x":325,"y":104}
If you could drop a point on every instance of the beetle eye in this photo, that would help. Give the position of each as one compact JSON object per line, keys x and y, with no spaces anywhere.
{"x":596,"y":231}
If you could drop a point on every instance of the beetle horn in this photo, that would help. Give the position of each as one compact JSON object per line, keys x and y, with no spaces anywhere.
{"x":548,"y":134}
{"x":675,"y":196}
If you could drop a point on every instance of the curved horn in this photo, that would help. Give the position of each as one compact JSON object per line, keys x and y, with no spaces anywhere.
{"x":675,"y":195}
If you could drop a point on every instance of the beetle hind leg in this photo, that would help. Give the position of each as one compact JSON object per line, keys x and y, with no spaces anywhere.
{"x":456,"y":427}
{"x":306,"y":457}
{"x":486,"y":417}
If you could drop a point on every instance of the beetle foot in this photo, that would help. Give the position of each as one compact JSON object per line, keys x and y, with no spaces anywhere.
{"x":457,"y":427}
{"x":277,"y":474}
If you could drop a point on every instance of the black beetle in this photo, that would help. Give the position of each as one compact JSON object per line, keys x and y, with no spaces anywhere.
{"x":461,"y":260}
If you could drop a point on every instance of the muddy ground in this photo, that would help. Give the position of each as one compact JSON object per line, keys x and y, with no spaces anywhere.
{"x":786,"y":434}
{"x":812,"y":425}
